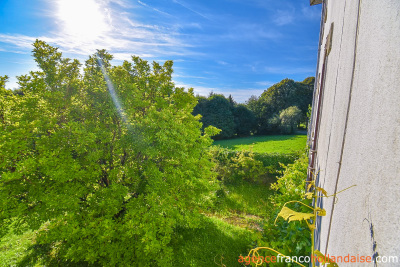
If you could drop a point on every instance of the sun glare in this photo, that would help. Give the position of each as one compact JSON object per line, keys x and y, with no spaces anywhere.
{"x":82,"y":19}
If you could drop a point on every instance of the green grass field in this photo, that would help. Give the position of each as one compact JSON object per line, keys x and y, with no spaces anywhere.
{"x":266,"y":144}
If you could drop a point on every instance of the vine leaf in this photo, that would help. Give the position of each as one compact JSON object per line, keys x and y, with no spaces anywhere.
{"x":325,"y":260}
{"x":311,"y":226}
{"x":292,"y":215}
{"x":321,"y":212}
{"x":309,"y":195}
{"x":322,"y":191}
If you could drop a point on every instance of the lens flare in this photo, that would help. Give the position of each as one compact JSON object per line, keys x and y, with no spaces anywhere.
{"x":111,"y":90}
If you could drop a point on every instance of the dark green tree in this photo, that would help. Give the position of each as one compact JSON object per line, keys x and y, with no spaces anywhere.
{"x":245,"y":121}
{"x":216,"y":111}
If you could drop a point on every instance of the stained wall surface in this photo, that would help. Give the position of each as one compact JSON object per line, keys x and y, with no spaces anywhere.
{"x":358,"y":142}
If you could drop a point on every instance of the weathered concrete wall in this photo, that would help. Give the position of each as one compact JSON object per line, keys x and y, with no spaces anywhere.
{"x":359,"y":137}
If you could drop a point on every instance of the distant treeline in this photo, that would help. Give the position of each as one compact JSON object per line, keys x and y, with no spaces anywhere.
{"x":279,"y":109}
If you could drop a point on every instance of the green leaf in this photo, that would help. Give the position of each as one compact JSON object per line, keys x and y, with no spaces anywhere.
{"x":320,"y":189}
{"x":320,"y":212}
{"x":292,"y":215}
{"x":309,"y":195}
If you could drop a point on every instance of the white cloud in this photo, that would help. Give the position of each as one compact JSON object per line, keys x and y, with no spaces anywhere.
{"x":155,"y":9}
{"x":251,"y":31}
{"x":265,"y":83}
{"x":313,"y":12}
{"x":284,"y":17}
{"x":239,"y":95}
{"x":288,"y":70}
{"x":181,"y":3}
{"x":87,"y":25}
{"x":17,"y":40}
{"x":223,"y":63}
{"x":188,"y":76}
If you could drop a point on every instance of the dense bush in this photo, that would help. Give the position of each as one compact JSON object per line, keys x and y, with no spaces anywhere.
{"x":233,"y":166}
{"x":294,"y":238}
{"x":275,"y":162}
{"x":104,"y":181}
{"x":236,"y":166}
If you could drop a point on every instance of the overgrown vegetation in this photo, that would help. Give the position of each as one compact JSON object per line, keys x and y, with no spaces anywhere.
{"x":111,"y":168}
{"x":303,"y":211}
{"x":290,"y":239}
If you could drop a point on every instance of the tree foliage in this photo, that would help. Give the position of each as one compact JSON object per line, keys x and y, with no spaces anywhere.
{"x":289,"y":119}
{"x":103,"y":184}
{"x":278,"y":97}
{"x":244,"y":120}
{"x":216,"y":111}
{"x":224,"y":113}
{"x":259,"y":115}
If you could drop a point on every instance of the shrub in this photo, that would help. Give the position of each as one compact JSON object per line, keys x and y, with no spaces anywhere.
{"x":274,"y":162}
{"x":233,"y":166}
{"x":294,"y":238}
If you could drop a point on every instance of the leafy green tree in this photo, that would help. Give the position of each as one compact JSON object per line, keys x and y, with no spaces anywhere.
{"x":216,"y":111}
{"x":5,"y":97}
{"x":274,"y":123}
{"x":201,"y":106}
{"x":255,"y":106}
{"x":105,"y":165}
{"x":245,"y":120}
{"x":278,"y":97}
{"x":232,"y":102}
{"x":289,"y":118}
{"x":224,"y":113}
{"x":3,"y":80}
{"x":236,"y":166}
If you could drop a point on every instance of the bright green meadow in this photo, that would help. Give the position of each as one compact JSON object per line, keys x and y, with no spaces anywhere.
{"x":266,"y":144}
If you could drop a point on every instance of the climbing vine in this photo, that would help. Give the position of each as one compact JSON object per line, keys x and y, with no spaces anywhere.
{"x":313,"y":193}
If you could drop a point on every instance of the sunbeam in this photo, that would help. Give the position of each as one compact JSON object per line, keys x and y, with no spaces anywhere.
{"x":111,"y":89}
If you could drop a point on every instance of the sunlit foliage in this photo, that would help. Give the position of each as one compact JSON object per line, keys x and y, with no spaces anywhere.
{"x":102,"y":184}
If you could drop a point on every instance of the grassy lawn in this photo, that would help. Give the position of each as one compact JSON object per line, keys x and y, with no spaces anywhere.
{"x":244,"y":199}
{"x":229,"y":231}
{"x":267,"y":143}
{"x":217,"y":243}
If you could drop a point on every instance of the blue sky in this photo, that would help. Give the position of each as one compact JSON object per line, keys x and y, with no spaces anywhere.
{"x":238,"y":47}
